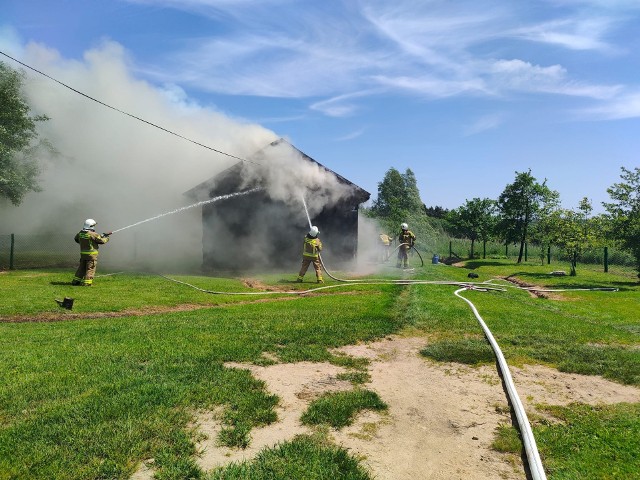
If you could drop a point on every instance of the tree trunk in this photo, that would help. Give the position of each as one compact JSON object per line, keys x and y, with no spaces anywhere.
{"x":521,"y":250}
{"x":574,"y":261}
{"x":472,"y":242}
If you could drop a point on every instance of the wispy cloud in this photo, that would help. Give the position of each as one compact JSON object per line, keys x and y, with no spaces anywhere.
{"x":624,"y":106}
{"x":435,"y":49}
{"x":574,"y":34}
{"x":351,"y":136}
{"x":342,"y":105}
{"x":517,"y":75}
{"x":484,"y":123}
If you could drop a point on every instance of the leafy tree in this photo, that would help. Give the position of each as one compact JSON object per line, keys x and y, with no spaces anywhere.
{"x":435,"y":212}
{"x":398,"y":198}
{"x":624,"y":211}
{"x":399,"y":201}
{"x":573,"y":231}
{"x":18,"y":166}
{"x":475,"y":220}
{"x":543,"y":229}
{"x":520,"y":204}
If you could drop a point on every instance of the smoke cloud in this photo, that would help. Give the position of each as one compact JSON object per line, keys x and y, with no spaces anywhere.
{"x":120,"y":171}
{"x":116,"y":169}
{"x":288,"y":177}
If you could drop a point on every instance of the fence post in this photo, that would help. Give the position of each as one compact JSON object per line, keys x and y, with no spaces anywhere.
{"x":484,"y":249}
{"x":606,"y":259}
{"x":549,"y":255}
{"x":506,"y":250}
{"x":525,"y":252}
{"x":450,"y":249}
{"x":13,"y":241}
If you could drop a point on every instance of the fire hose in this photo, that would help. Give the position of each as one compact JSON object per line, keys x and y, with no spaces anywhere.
{"x":529,"y":441}
{"x":410,"y":246}
{"x":533,"y":457}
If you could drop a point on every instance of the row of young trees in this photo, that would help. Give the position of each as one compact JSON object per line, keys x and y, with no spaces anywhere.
{"x":529,"y":211}
{"x":526,"y":211}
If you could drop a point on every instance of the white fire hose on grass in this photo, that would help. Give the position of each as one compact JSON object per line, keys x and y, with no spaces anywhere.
{"x":530,"y":447}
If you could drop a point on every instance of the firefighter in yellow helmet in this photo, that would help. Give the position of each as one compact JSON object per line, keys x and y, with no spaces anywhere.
{"x":89,"y":242}
{"x":310,"y":253}
{"x":406,"y":239}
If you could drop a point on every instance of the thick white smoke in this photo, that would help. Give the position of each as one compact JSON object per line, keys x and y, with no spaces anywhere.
{"x":288,"y":176}
{"x":120,"y":171}
{"x":114,"y":168}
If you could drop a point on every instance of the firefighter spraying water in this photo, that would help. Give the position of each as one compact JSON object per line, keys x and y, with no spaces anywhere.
{"x":310,"y":254}
{"x":90,"y":242}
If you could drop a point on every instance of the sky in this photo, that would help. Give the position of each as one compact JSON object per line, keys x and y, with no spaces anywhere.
{"x":464,"y":93}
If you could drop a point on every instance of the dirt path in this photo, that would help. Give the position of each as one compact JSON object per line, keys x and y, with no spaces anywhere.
{"x":441,"y":418}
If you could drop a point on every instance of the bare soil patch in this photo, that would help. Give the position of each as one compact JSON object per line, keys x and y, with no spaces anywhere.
{"x":533,"y":293}
{"x":441,"y":419}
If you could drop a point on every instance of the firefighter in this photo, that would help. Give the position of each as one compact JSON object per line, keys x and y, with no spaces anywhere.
{"x":310,"y":254}
{"x":89,"y":242}
{"x":406,"y":239}
{"x":385,"y":247}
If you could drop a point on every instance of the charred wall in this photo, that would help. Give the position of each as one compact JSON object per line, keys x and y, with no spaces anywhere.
{"x":254,"y":232}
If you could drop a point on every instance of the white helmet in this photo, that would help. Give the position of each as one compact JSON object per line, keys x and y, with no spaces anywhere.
{"x":313,"y":232}
{"x":404,"y":226}
{"x":89,"y":223}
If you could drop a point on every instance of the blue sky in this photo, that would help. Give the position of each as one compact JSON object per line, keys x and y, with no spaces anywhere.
{"x":464,"y":93}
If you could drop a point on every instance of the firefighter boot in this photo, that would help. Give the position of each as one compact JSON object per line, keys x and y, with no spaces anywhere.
{"x":299,"y":279}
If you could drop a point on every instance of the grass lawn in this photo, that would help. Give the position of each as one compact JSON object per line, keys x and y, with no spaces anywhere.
{"x":118,"y":381}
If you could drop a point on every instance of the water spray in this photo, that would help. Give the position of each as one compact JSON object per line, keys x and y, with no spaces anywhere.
{"x":204,"y":202}
{"x":306,"y":210}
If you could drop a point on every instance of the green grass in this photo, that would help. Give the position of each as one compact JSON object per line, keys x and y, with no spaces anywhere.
{"x":93,"y":397}
{"x":603,"y":440}
{"x":340,"y":408}
{"x":584,"y":441}
{"x":589,"y":332}
{"x":301,"y":458}
{"x":471,"y":351}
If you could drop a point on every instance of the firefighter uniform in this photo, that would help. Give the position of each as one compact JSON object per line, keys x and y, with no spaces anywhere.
{"x":310,"y":253}
{"x":89,"y":243}
{"x":385,"y":247}
{"x":406,"y":240}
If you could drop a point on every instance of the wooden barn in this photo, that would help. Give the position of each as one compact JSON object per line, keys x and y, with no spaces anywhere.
{"x":261,"y":230}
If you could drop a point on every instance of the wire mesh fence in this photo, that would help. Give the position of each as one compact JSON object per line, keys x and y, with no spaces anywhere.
{"x":37,"y":251}
{"x":460,"y":248}
{"x":18,"y":251}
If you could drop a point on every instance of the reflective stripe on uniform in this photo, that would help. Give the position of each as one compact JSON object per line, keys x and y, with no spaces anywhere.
{"x":310,"y":248}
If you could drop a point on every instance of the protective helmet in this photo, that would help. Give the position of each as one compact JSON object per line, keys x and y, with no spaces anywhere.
{"x":404,"y":226}
{"x":313,"y":232}
{"x":89,"y":223}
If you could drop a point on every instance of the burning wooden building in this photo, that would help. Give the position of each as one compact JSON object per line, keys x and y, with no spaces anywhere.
{"x":265,"y":227}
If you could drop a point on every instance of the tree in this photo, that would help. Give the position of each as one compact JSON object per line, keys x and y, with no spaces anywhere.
{"x":435,"y":212}
{"x":543,"y":229}
{"x":398,"y":197}
{"x":573,"y":231}
{"x":520,"y":204}
{"x":18,"y":166}
{"x":474,"y":220}
{"x":399,"y":201}
{"x":624,"y":211}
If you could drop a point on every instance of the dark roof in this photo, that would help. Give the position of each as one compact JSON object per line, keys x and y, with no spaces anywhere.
{"x":230,"y":180}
